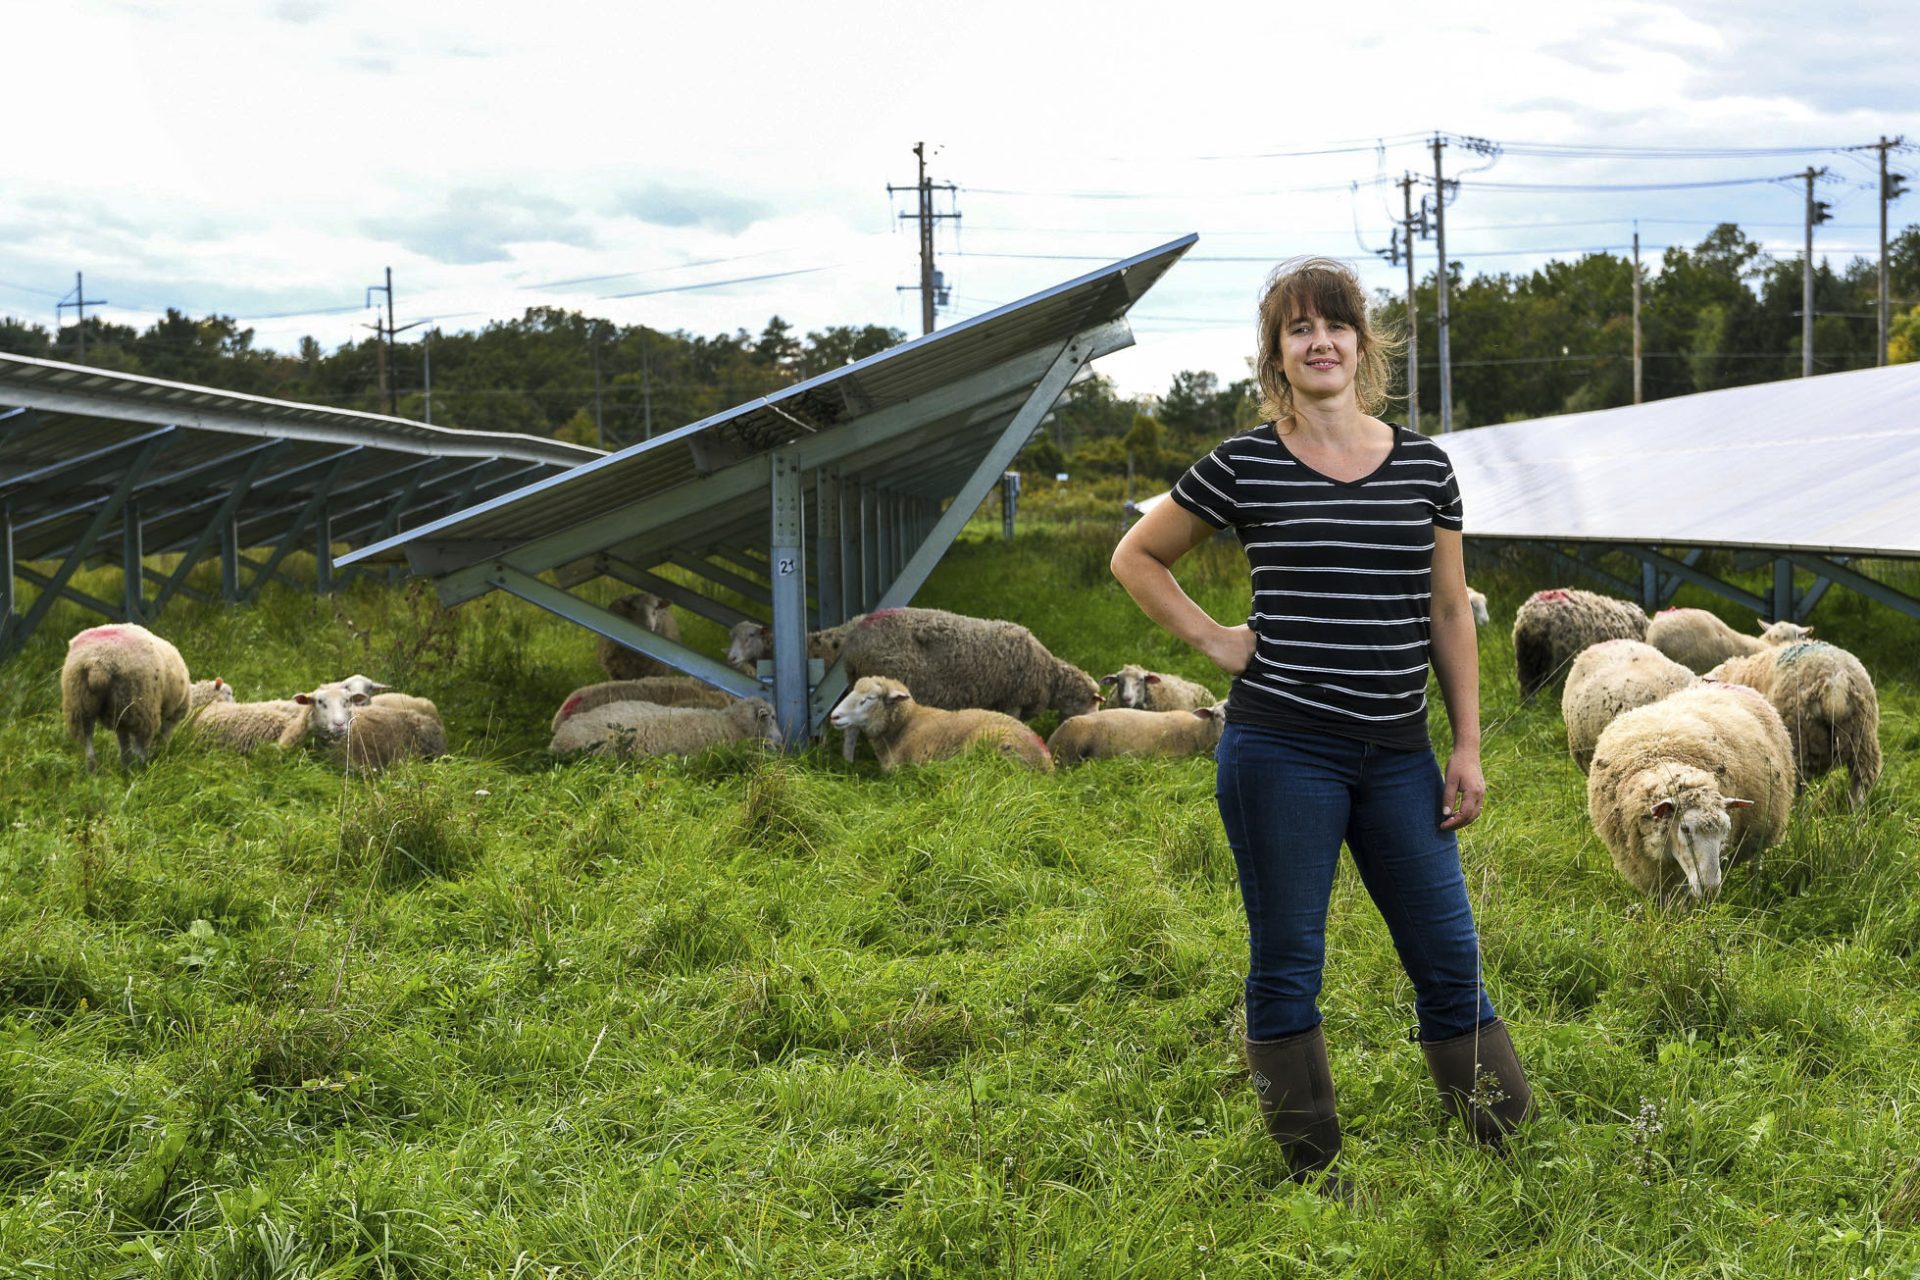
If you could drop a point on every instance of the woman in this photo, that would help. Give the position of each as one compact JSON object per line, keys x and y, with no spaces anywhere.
{"x":1352,"y":528}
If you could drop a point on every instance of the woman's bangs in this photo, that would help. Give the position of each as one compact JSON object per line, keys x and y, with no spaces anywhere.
{"x":1326,"y":294}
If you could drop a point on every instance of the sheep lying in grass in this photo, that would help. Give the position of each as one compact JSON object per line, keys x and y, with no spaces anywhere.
{"x":955,"y":662}
{"x":668,"y":691}
{"x":649,"y":729}
{"x":407,"y":702}
{"x":1684,"y":784}
{"x":245,"y":726}
{"x":905,"y":732}
{"x":1477,"y":601}
{"x":383,"y":734}
{"x":1699,"y":641}
{"x":329,"y":710}
{"x":1125,"y":731}
{"x":1554,"y":626}
{"x":656,"y":615}
{"x":127,"y":678}
{"x":1609,"y":678}
{"x":1828,"y":702}
{"x":1143,"y":690}
{"x":751,"y":642}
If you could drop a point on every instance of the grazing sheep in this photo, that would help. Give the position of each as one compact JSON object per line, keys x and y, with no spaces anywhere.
{"x":381,"y":735}
{"x":962,"y":662}
{"x":1477,"y":601}
{"x":651,"y":612}
{"x":750,"y":642}
{"x":1699,"y":641}
{"x":905,"y":732}
{"x":1609,"y":678}
{"x":649,"y":729}
{"x":243,"y":726}
{"x":1828,"y":702}
{"x":667,"y":691}
{"x":1553,"y":626}
{"x":1683,"y":784}
{"x":1125,"y":731}
{"x":1143,"y":690}
{"x":129,"y":679}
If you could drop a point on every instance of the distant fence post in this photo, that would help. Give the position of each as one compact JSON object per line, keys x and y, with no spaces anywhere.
{"x":1009,"y":502}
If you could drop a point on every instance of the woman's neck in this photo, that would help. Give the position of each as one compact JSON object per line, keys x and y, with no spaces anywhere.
{"x":1336,"y":421}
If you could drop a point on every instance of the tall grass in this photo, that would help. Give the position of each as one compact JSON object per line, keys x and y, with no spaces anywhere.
{"x":748,"y":1014}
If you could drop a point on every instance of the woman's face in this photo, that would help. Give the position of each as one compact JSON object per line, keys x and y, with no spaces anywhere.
{"x":1319,"y":356}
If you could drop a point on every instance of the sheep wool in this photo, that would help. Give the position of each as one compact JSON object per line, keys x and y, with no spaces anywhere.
{"x":1125,"y":731}
{"x":407,"y":702}
{"x":751,"y":642}
{"x":1700,"y":641}
{"x":381,"y":735}
{"x":1609,"y":678}
{"x":904,"y":732}
{"x":649,"y":729}
{"x":954,"y":662}
{"x":1683,"y":785}
{"x":126,"y":678}
{"x":667,"y":691}
{"x":1552,"y":627}
{"x":1829,"y":704}
{"x":244,"y":726}
{"x":1143,"y":690}
{"x":1477,"y":601}
{"x":646,"y":610}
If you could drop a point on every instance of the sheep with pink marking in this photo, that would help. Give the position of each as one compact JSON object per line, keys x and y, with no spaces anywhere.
{"x":128,"y":679}
{"x":1552,"y":627}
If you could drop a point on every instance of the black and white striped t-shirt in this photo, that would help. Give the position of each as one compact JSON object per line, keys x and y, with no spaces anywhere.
{"x":1342,"y":582}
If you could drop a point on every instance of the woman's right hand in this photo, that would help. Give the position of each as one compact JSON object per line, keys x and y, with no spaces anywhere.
{"x":1231,"y":649}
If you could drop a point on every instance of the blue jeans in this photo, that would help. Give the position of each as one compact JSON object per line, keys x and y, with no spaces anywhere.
{"x":1287,"y":801}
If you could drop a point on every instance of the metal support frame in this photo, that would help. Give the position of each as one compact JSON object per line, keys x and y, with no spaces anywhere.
{"x":221,"y":525}
{"x":1833,"y":571}
{"x":827,"y":548}
{"x":323,"y":551}
{"x":787,"y":554}
{"x":170,"y":583}
{"x":230,"y":557}
{"x":6,"y":574}
{"x":672,"y":592}
{"x":713,"y":573}
{"x":133,"y":584}
{"x":314,"y":505}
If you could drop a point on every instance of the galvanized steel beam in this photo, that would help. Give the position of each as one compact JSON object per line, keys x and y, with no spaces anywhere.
{"x":827,"y":546}
{"x":6,"y":574}
{"x":1854,"y":580}
{"x":133,"y":584}
{"x":313,"y":506}
{"x":787,"y":556}
{"x":672,"y":592}
{"x":222,"y":520}
{"x":67,"y":591}
{"x":722,"y":577}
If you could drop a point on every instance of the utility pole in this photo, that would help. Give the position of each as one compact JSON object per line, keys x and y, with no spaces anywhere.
{"x":599,"y":423}
{"x":933,"y":286}
{"x":81,"y":302}
{"x":426,"y":370}
{"x":646,"y":389}
{"x":1413,"y":307}
{"x":1892,"y":187}
{"x":1441,"y":283}
{"x":389,"y":382}
{"x":1637,"y":397}
{"x":1816,"y":213}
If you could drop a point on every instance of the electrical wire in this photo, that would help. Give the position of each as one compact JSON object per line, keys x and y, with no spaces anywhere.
{"x":715,"y":284}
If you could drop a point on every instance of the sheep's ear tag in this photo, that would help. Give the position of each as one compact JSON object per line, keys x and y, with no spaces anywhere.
{"x":1153,"y":679}
{"x":1661,"y":808}
{"x":1739,"y":804}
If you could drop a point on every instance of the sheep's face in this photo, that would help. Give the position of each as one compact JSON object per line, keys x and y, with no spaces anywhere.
{"x":205,"y":691}
{"x":1688,"y":823}
{"x":1075,"y":692}
{"x":1780,"y":633}
{"x":868,"y":702}
{"x":330,"y":708}
{"x":1216,"y":718}
{"x":751,"y":641}
{"x":641,"y":607}
{"x":1127,"y":687}
{"x":766,"y":725}
{"x":362,"y":684}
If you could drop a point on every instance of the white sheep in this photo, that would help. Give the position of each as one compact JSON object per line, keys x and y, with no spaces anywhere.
{"x":1684,"y":784}
{"x":1828,"y":702}
{"x":243,"y":726}
{"x":407,"y":702}
{"x":905,"y":732}
{"x":649,"y":729}
{"x":127,"y":678}
{"x":357,"y":683}
{"x":1700,"y":641}
{"x":1552,"y":627}
{"x":1477,"y":601}
{"x":329,"y":709}
{"x":667,"y":691}
{"x":1136,"y":687}
{"x":955,"y":662}
{"x":1609,"y":678}
{"x":1125,"y":731}
{"x":749,"y":643}
{"x":656,"y":615}
{"x":380,"y":735}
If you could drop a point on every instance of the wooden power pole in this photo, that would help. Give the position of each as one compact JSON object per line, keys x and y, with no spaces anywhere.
{"x":1637,"y":385}
{"x":933,"y":286}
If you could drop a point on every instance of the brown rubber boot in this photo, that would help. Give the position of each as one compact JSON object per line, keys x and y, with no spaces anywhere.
{"x":1481,"y":1081}
{"x":1295,"y":1087}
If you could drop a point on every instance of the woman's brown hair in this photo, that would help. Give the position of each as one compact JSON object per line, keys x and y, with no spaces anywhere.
{"x":1328,"y":288}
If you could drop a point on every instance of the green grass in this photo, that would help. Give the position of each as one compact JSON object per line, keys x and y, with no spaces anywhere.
{"x":743,"y":1014}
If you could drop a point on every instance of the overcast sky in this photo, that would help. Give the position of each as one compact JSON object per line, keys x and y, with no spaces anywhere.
{"x":269,"y":160}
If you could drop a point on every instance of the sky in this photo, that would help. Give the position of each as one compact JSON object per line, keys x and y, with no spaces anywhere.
{"x":707,"y":167}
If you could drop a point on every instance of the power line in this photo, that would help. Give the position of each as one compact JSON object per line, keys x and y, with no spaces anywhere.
{"x":715,"y":284}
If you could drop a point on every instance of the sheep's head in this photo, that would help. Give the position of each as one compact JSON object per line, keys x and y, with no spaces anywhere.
{"x":1683,"y":819}
{"x":757,"y":715}
{"x":750,"y":642}
{"x":643,"y":607}
{"x":1216,"y":718}
{"x":1074,"y":691}
{"x":1127,"y":687}
{"x":330,"y":708}
{"x":1780,"y":633}
{"x":869,"y":702}
{"x":362,"y":684}
{"x":204,"y":691}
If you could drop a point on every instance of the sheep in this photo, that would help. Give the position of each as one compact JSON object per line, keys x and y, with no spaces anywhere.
{"x":380,"y":735}
{"x":649,"y":729}
{"x":1700,"y":641}
{"x":357,"y":683}
{"x":329,"y":709}
{"x":1553,"y":626}
{"x":651,"y":612}
{"x":1609,"y":678}
{"x":131,"y":680}
{"x":243,"y":726}
{"x":1683,"y":784}
{"x":1477,"y":601}
{"x":1125,"y":731}
{"x":905,"y":732}
{"x":752,"y":641}
{"x":1135,"y":687}
{"x":666,"y":691}
{"x":407,"y":702}
{"x":961,"y":662}
{"x":1828,"y":702}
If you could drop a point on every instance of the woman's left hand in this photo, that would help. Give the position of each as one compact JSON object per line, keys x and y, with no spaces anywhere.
{"x":1465,"y":791}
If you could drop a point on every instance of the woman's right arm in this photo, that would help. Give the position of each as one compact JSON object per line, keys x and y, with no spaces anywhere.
{"x":1143,"y":562}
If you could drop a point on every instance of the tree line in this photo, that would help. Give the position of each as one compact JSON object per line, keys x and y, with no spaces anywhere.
{"x":1554,"y":340}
